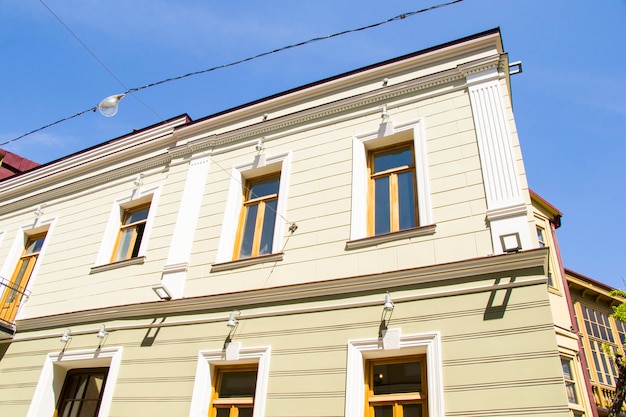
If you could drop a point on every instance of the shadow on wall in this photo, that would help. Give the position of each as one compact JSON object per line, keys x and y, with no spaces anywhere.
{"x":498,"y":301}
{"x":3,"y":349}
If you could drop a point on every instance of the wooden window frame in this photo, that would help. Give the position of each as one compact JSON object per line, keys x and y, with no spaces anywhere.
{"x":62,"y":401}
{"x":395,"y":400}
{"x":133,"y":245}
{"x":234,"y":404}
{"x":249,"y":201}
{"x":392,"y":174}
{"x":11,"y":298}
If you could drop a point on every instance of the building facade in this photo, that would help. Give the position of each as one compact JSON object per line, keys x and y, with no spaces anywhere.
{"x":365,"y":245}
{"x":600,"y":334}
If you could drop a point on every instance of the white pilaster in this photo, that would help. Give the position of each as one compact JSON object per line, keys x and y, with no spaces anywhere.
{"x":175,"y":269}
{"x":506,"y":210}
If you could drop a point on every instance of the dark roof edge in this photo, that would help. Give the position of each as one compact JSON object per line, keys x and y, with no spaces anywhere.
{"x":607,"y":287}
{"x":492,"y":31}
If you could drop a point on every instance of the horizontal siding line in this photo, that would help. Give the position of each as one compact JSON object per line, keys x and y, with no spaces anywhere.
{"x":501,"y":332}
{"x":478,"y":386}
{"x":306,"y":394}
{"x":500,"y":358}
{"x":15,"y":402}
{"x":518,"y":411}
{"x":23,"y":368}
{"x":306,"y":372}
{"x":18,"y":385}
{"x":316,"y":349}
{"x":168,"y":399}
{"x":166,"y":359}
{"x":155,"y":379}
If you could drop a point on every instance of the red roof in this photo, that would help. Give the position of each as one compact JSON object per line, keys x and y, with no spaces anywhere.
{"x":13,"y":164}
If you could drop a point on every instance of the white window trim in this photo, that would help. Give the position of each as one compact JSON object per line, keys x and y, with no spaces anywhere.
{"x":53,"y":374}
{"x":17,"y":248}
{"x":115,"y":218}
{"x":361,"y":350}
{"x":260,"y":166}
{"x":360,"y":147}
{"x":208,"y":359}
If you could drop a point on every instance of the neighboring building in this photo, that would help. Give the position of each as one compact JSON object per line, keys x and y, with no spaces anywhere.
{"x":593,"y":304}
{"x":12,"y":164}
{"x":362,"y":245}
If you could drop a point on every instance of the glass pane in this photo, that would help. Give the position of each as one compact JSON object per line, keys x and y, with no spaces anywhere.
{"x":567,"y":373}
{"x":136,"y":216}
{"x":245,"y":412}
{"x":406,"y":200}
{"x":222,"y":412}
{"x":381,"y":206}
{"x":267,"y":233}
{"x":571,"y":392}
{"x":383,"y":411}
{"x":34,"y":246}
{"x":393,"y":158}
{"x":412,"y":410}
{"x":89,"y":409}
{"x":139,"y":229}
{"x":263,"y":187}
{"x":397,"y":378}
{"x":248,"y":231}
{"x":17,"y":283}
{"x":237,"y":384}
{"x":125,"y":239}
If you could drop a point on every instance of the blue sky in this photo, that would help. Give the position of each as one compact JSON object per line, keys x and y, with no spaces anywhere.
{"x":569,"y":102}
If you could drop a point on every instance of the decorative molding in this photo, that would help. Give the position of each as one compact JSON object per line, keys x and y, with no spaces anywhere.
{"x":139,"y":260}
{"x":242,"y":263}
{"x":531,"y":259}
{"x":501,"y":213}
{"x":390,"y":237}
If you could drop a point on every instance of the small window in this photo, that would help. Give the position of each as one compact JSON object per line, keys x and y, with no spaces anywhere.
{"x":392,"y":190}
{"x":541,"y":237}
{"x":258,"y":218}
{"x":19,"y":280}
{"x":396,"y":387}
{"x":82,"y":392}
{"x":234,"y":390}
{"x":570,"y":385}
{"x":131,"y":232}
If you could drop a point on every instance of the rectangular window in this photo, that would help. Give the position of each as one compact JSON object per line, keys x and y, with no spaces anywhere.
{"x":392,"y":190}
{"x":19,"y":280}
{"x":570,"y":385}
{"x":82,"y":392}
{"x":396,"y":387}
{"x":233,"y":391}
{"x":131,"y":232}
{"x":541,"y":237}
{"x":258,"y":217}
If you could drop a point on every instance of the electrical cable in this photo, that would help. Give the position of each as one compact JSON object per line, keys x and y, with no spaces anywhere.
{"x":98,"y":59}
{"x":284,"y":48}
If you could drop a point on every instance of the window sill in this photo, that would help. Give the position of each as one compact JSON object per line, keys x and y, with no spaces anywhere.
{"x":241,"y":263}
{"x":389,"y":237}
{"x":119,"y":264}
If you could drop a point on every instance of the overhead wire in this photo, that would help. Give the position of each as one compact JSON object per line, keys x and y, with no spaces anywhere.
{"x":401,"y":16}
{"x":97,"y":59}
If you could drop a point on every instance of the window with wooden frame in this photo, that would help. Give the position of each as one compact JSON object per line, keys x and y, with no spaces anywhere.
{"x":131,"y":232}
{"x":233,"y":391}
{"x":396,"y":387}
{"x":570,"y":381}
{"x":257,"y":222}
{"x":82,"y":392}
{"x":19,"y":280}
{"x":392,"y":204}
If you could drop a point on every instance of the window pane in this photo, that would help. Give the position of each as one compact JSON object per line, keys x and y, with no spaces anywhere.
{"x":263,"y":187}
{"x":383,"y":411}
{"x":223,"y":412}
{"x":406,"y":200}
{"x":245,"y":412}
{"x":136,"y":216}
{"x":393,"y":158}
{"x":267,"y":233}
{"x":412,"y":410}
{"x":248,"y":231}
{"x":34,"y":245}
{"x":237,"y":384}
{"x":397,"y":378}
{"x":126,"y":237}
{"x":381,"y":205}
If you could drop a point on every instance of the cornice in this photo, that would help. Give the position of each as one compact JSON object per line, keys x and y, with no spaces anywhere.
{"x":51,"y":194}
{"x":536,"y":258}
